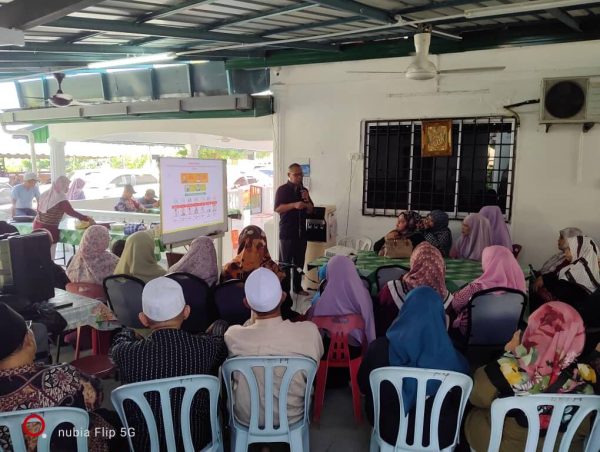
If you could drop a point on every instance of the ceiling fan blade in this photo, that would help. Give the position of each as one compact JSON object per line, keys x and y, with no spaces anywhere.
{"x":375,"y":72}
{"x":472,"y":69}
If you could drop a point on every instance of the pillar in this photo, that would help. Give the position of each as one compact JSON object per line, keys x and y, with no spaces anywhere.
{"x":57,"y":158}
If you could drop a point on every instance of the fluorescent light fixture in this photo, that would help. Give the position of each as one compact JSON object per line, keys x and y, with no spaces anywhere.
{"x":524,"y":7}
{"x":142,"y":59}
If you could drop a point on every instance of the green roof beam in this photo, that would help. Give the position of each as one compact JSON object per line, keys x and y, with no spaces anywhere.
{"x":26,"y":14}
{"x":41,"y":48}
{"x":351,"y":6}
{"x":565,"y":18}
{"x":169,"y":11}
{"x":303,"y":27}
{"x":51,"y":57}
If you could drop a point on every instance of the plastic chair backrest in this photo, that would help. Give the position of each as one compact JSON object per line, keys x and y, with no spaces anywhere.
{"x":52,"y":418}
{"x":494,"y":315}
{"x":229,"y":302}
{"x":40,"y":332}
{"x":245,"y":366}
{"x":388,"y":273}
{"x":198,"y":296}
{"x":396,"y":376}
{"x":136,"y":392}
{"x":560,"y":402}
{"x":357,"y":243}
{"x":339,"y":328}
{"x":89,"y":290}
{"x":516,"y":249}
{"x":124,"y":296}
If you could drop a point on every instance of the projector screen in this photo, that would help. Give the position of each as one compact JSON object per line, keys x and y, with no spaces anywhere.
{"x":193,"y":198}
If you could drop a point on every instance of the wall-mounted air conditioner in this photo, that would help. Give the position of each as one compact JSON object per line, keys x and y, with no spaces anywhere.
{"x":570,"y":100}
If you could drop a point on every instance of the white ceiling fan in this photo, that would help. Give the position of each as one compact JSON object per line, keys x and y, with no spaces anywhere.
{"x":61,"y":99}
{"x":422,"y":68}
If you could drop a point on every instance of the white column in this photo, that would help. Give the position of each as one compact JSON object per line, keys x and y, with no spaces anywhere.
{"x":192,"y":151}
{"x":57,"y":158}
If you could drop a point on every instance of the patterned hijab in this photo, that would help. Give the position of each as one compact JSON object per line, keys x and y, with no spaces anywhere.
{"x":498,"y":229}
{"x":500,"y":269}
{"x":75,"y":190}
{"x":138,"y":257}
{"x":345,"y":293}
{"x":252,"y":254}
{"x":427,"y":268}
{"x":558,"y":258}
{"x":583,"y":269}
{"x":200,"y":261}
{"x":412,"y":219}
{"x":55,"y":195}
{"x":418,"y":338}
{"x":471,"y":246}
{"x":554,"y":338}
{"x":92,"y":262}
{"x":439,"y":234}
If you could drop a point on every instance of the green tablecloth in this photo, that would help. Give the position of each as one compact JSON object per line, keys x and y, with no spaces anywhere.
{"x":72,"y":236}
{"x":458,"y":271}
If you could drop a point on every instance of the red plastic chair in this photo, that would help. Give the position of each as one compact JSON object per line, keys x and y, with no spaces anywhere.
{"x":98,"y":364}
{"x":338,"y":355}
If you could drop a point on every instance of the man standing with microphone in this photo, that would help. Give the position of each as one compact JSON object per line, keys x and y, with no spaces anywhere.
{"x":292,"y":203}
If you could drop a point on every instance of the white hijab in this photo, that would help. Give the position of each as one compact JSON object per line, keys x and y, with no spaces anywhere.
{"x":55,"y":195}
{"x":583,"y":269}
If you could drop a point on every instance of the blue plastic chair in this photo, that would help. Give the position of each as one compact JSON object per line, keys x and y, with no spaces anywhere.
{"x":297,"y":435}
{"x":494,"y":316}
{"x":52,"y":417}
{"x":396,"y":375}
{"x":136,"y":392}
{"x":529,"y":404}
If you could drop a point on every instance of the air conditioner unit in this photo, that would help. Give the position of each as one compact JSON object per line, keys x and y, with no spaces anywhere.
{"x":570,"y":100}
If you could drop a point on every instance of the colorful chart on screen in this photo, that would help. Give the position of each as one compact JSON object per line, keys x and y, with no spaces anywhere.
{"x":193,"y":197}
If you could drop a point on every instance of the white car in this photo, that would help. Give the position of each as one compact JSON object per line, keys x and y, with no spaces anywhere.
{"x":102,"y":185}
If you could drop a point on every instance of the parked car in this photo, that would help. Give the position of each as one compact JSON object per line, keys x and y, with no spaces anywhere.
{"x":109,"y":184}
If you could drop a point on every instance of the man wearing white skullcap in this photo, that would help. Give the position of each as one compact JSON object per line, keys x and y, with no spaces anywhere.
{"x":168,"y":352}
{"x":271,"y":335}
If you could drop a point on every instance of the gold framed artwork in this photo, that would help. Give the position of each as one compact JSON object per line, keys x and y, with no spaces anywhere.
{"x":436,"y":138}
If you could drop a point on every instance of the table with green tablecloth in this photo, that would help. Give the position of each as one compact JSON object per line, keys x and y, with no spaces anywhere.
{"x":70,"y":235}
{"x":458,"y":271}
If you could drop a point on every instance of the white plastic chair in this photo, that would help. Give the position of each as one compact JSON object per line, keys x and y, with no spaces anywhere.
{"x":136,"y":392}
{"x":396,"y":375}
{"x":52,"y":417}
{"x":357,"y":243}
{"x":297,"y":435}
{"x":560,"y":402}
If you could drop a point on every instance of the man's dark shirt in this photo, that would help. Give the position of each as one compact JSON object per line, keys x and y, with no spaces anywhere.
{"x":292,"y":224}
{"x":169,"y":353}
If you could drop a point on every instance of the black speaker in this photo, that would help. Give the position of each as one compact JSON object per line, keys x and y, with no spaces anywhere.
{"x":29,"y":273}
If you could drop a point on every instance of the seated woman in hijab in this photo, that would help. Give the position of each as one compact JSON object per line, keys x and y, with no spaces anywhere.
{"x":499,"y":234}
{"x":500,"y":269}
{"x":138,"y":258}
{"x":427,"y":268}
{"x":252,"y":253}
{"x":75,"y":192}
{"x":574,"y":282}
{"x":542,"y":360}
{"x":559,"y":260}
{"x":407,"y":223}
{"x":92,"y":262}
{"x":436,"y":231}
{"x":475,"y":236}
{"x":200,"y":261}
{"x":345,"y":293}
{"x":417,"y":338}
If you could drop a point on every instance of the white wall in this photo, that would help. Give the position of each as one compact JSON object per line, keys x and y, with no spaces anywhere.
{"x":557,"y":175}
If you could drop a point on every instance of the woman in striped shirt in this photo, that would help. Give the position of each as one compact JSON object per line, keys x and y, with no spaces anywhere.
{"x":53,"y":205}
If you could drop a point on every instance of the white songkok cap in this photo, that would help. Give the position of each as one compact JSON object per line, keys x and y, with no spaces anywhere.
{"x":263,"y":290}
{"x":162,"y":299}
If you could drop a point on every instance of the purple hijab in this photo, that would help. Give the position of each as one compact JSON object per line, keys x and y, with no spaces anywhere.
{"x":346,"y":294}
{"x":499,"y":230}
{"x":471,"y":246}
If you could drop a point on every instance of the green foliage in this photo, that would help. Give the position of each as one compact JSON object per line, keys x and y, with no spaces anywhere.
{"x":182,"y":153}
{"x":129,"y":162}
{"x":22,"y":165}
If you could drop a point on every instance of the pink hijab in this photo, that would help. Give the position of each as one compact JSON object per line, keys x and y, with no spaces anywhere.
{"x":500,"y":269}
{"x":499,"y":230}
{"x":471,"y":246}
{"x":427,"y":268}
{"x":557,"y":333}
{"x":346,"y":294}
{"x":200,"y":261}
{"x":93,"y":262}
{"x":75,"y":191}
{"x":55,"y":195}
